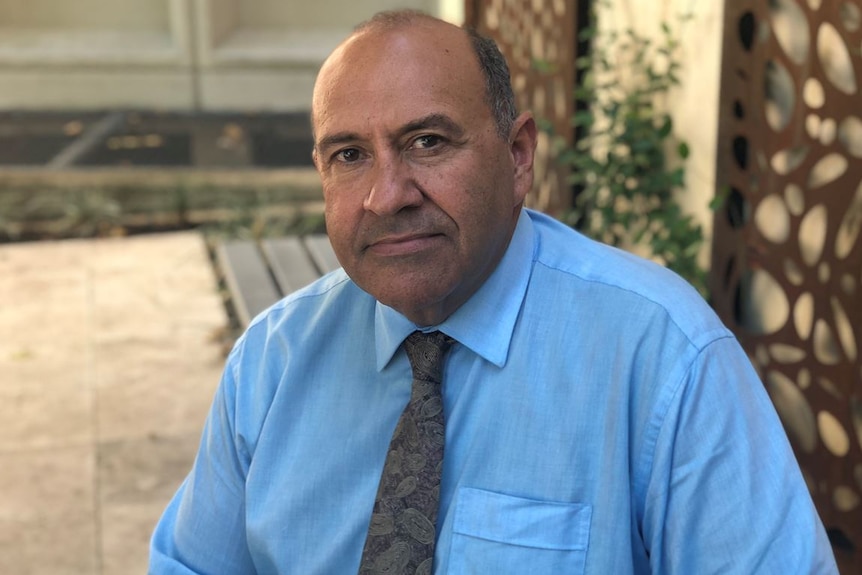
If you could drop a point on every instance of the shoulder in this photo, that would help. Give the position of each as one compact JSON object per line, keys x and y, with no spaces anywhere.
{"x":318,"y":302}
{"x":282,"y":347}
{"x":615,"y":282}
{"x":305,"y":320}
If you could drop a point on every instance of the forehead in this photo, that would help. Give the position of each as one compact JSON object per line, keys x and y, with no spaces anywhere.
{"x":390,"y":77}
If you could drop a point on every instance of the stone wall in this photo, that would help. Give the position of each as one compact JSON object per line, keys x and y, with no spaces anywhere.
{"x":200,"y":55}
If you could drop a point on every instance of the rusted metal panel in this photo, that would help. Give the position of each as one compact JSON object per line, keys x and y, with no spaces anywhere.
{"x":787,"y":258}
{"x":543,"y":31}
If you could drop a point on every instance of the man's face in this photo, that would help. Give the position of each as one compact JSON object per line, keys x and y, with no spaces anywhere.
{"x":422,"y":194}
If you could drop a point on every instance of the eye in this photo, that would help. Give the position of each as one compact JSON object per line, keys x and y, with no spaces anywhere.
{"x":347,"y":155}
{"x":426,"y":141}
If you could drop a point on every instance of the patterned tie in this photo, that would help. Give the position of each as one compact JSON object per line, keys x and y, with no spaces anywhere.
{"x":401,"y":534}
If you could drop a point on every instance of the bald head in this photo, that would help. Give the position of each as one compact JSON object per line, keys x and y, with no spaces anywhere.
{"x":492,"y":65}
{"x":391,"y":19}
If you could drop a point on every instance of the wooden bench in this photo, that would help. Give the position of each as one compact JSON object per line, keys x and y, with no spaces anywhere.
{"x":259,"y":273}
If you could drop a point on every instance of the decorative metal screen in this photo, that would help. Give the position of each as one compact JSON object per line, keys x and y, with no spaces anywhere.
{"x":530,"y":31}
{"x":787,"y":259}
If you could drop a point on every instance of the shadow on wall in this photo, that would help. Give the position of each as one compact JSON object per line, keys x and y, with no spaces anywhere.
{"x":86,"y":139}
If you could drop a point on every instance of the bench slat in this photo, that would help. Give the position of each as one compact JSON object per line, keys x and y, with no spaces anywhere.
{"x":258,"y":275}
{"x":290,"y":262}
{"x":248,"y":278}
{"x":321,"y":252}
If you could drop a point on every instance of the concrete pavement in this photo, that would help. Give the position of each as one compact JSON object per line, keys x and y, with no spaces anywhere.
{"x":110,"y":351}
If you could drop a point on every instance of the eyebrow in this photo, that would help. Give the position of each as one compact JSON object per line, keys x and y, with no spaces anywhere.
{"x":431,"y":121}
{"x":335,"y":140}
{"x":438,"y":121}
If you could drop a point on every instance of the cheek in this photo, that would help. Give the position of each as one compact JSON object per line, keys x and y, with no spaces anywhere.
{"x":341,"y":203}
{"x":338,"y":220}
{"x":484,"y":216}
{"x":473,"y":199}
{"x":343,"y":215}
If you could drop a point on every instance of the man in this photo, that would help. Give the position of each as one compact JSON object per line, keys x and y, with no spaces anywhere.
{"x":598,"y":417}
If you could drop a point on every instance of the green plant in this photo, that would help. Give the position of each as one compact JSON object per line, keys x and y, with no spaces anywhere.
{"x":74,"y":213}
{"x":628,"y":165}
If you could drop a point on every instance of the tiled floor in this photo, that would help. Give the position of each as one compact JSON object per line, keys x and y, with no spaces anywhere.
{"x":109,"y":356}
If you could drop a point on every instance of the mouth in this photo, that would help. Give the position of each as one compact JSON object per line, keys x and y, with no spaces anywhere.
{"x":404,"y":245}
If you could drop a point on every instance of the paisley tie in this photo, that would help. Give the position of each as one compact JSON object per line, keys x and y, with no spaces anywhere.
{"x":401,"y":535}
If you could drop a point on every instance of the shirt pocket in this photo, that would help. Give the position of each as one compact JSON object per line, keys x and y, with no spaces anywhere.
{"x":502,"y":534}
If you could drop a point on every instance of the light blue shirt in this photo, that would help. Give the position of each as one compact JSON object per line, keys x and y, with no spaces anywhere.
{"x":599,"y":419}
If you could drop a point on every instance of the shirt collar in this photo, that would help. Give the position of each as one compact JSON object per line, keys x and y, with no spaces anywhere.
{"x":486,"y":321}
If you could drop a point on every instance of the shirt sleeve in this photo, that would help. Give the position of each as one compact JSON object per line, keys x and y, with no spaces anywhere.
{"x":725,"y":493}
{"x":203,"y":528}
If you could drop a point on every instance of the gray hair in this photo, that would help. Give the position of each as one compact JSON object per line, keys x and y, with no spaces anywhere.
{"x":498,"y":83}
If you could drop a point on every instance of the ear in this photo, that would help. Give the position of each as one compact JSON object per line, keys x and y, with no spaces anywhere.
{"x":522,"y":146}
{"x":315,"y":158}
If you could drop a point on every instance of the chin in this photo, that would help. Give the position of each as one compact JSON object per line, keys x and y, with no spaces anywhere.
{"x":408,"y":301}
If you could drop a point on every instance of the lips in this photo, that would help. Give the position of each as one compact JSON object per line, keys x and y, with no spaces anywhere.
{"x":403,"y":245}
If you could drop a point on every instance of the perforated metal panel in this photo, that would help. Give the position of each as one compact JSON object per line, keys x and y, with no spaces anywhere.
{"x":528,"y":31}
{"x":787,"y":259}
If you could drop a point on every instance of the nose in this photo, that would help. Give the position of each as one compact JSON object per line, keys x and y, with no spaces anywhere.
{"x":392,"y":189}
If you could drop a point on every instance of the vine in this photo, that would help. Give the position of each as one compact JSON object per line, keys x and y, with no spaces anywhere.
{"x":628,"y":165}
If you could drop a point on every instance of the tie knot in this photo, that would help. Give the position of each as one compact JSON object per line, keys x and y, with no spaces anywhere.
{"x":425,"y":352}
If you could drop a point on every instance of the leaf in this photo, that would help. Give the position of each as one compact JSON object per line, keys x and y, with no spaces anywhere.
{"x":544,"y":66}
{"x":583,"y":118}
{"x":718,"y":201}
